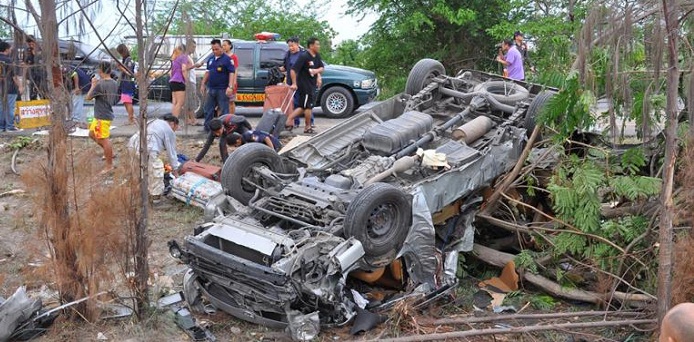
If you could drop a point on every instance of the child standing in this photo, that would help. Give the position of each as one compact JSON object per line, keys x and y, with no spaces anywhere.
{"x":104,"y":91}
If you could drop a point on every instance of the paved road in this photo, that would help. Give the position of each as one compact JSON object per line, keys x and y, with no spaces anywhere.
{"x":157,"y":109}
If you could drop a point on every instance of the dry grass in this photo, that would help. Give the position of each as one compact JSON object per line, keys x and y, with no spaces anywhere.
{"x":91,"y":251}
{"x":683,"y":277}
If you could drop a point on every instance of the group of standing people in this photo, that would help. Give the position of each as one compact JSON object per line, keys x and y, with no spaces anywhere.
{"x":304,"y":70}
{"x":11,"y":86}
{"x":512,"y":55}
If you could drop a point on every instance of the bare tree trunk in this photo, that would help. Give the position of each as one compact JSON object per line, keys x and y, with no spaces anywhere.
{"x":670,"y":12}
{"x":58,"y":216}
{"x":141,"y":242}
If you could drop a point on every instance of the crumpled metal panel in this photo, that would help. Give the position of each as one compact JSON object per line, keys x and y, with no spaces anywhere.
{"x":433,"y":194}
{"x":419,"y":248}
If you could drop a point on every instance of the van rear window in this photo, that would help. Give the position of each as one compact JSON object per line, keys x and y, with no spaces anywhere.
{"x":245,"y":67}
{"x":270,"y":58}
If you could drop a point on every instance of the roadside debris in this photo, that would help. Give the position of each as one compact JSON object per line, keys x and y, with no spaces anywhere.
{"x":499,"y":287}
{"x":23,"y":318}
{"x":12,"y":193}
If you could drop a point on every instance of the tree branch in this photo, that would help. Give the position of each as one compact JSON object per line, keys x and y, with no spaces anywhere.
{"x":500,"y":259}
{"x":518,"y":330}
{"x":508,"y":317}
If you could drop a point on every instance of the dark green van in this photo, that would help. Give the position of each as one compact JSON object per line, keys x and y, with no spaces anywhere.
{"x":344,"y":88}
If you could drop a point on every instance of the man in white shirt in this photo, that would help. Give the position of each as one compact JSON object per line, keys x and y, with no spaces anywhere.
{"x":160,"y":137}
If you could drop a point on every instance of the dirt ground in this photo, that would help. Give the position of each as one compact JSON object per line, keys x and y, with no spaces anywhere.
{"x":23,"y":247}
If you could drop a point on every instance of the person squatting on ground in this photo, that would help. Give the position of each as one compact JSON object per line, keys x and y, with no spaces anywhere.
{"x":222,"y":127}
{"x":227,"y":46}
{"x":236,"y":139}
{"x":10,"y":88}
{"x":306,"y":79}
{"x":293,"y":53}
{"x":180,"y":62}
{"x":104,"y":91}
{"x":161,"y":136}
{"x":678,"y":324}
{"x":218,"y":82}
{"x":126,"y":86}
{"x":513,"y":61}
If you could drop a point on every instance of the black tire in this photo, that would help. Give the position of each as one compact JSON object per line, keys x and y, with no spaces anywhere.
{"x":240,"y":164}
{"x":381,"y":240}
{"x":508,"y":93}
{"x":535,"y":109}
{"x":337,"y":102}
{"x":422,"y":74}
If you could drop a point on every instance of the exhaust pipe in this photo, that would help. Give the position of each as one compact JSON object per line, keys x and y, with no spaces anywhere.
{"x":473,"y":130}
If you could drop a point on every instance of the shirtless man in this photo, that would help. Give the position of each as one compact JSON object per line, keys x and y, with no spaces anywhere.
{"x":678,"y":324}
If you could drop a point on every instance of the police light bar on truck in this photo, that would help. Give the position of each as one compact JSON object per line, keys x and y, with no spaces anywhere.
{"x":267,"y":36}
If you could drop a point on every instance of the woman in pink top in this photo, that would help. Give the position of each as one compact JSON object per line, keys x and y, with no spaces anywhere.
{"x":177,"y":82}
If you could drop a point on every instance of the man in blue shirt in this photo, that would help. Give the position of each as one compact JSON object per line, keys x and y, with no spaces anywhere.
{"x":219,"y":81}
{"x":10,"y":87}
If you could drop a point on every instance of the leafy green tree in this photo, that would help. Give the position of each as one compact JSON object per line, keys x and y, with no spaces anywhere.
{"x":452,"y":31}
{"x":242,"y":19}
{"x":5,"y":31}
{"x":348,"y":52}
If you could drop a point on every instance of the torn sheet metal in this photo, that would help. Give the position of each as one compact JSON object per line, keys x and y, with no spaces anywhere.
{"x":419,"y":249}
{"x":303,"y":327}
{"x":15,"y":311}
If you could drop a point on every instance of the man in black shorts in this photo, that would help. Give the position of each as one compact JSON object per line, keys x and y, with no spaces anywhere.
{"x":305,"y":76}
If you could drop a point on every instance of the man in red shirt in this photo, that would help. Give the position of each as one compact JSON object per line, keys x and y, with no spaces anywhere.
{"x":227,"y":46}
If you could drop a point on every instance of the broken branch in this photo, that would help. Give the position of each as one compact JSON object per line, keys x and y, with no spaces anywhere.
{"x":14,"y":162}
{"x":12,"y":192}
{"x":466,"y":320}
{"x":500,"y":259}
{"x":511,"y":176}
{"x":518,"y":330}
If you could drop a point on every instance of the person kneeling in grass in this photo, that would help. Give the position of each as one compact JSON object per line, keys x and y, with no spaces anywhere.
{"x":104,"y":91}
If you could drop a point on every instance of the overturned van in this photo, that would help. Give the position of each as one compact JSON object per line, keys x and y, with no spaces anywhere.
{"x":370,"y":212}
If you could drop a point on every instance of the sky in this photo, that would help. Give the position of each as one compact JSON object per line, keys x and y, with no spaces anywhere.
{"x":333,"y":11}
{"x":346,"y":26}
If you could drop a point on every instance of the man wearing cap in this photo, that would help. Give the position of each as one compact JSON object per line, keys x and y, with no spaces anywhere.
{"x":522,"y":48}
{"x":513,"y":61}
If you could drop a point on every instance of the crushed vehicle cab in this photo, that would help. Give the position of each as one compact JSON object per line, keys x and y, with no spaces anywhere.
{"x":367,"y":213}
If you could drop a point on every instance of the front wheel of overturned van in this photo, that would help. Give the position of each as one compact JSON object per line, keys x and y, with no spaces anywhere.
{"x":379,"y":217}
{"x":239,"y":176}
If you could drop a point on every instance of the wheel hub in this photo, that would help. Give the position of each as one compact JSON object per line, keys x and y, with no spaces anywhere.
{"x":336,"y":102}
{"x":381,"y":221}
